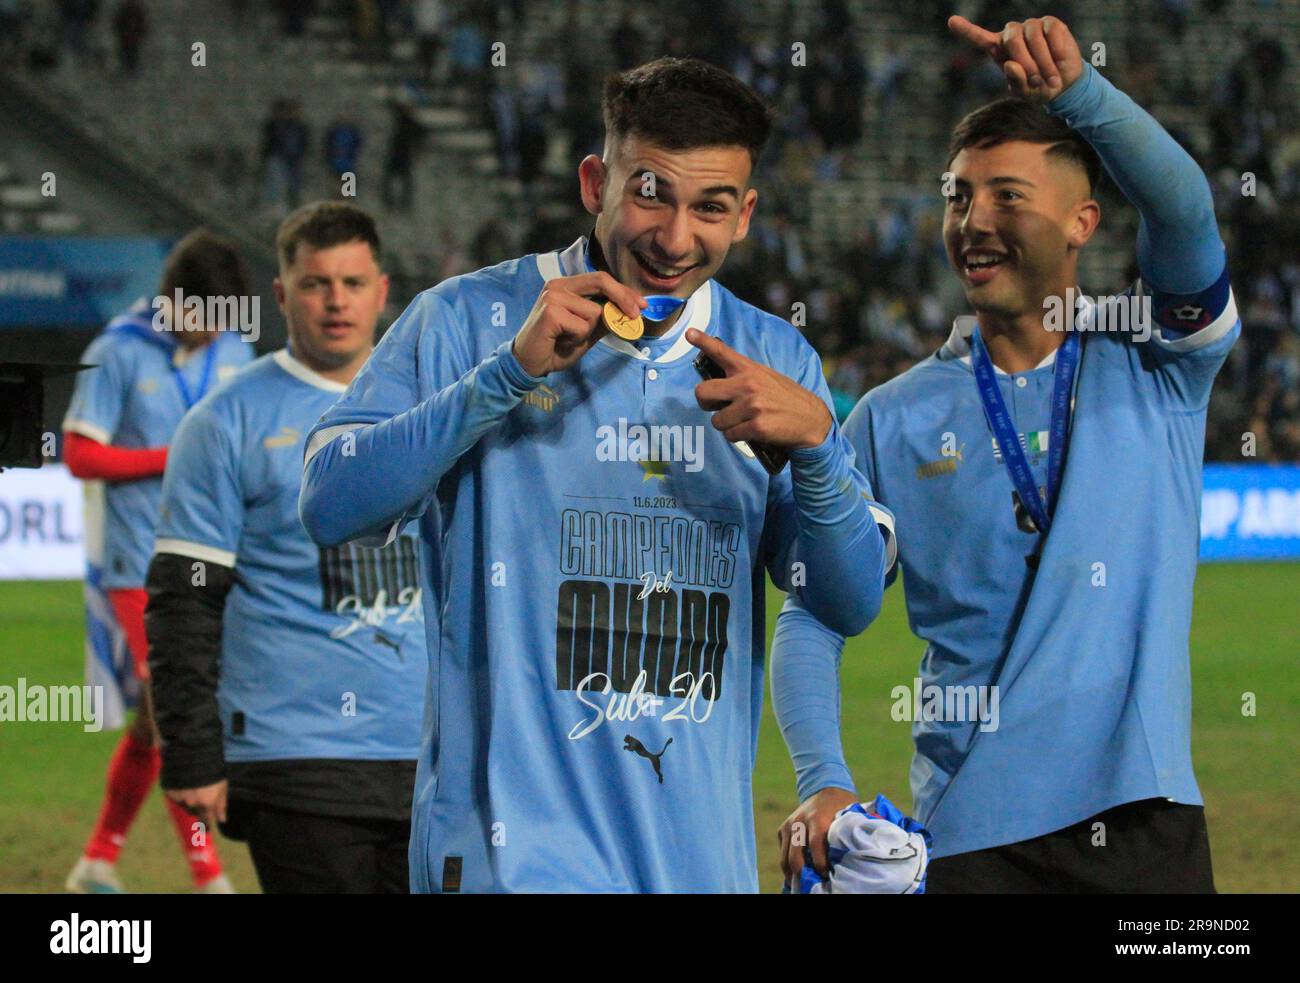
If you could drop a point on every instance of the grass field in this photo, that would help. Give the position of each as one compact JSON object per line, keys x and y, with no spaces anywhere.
{"x":1245,"y":638}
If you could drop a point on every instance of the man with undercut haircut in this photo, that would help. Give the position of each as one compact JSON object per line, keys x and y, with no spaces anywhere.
{"x":1045,"y":468}
{"x":598,"y":522}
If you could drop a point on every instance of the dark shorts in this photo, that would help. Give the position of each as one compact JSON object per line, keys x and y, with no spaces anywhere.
{"x":306,"y":853}
{"x":1153,"y":846}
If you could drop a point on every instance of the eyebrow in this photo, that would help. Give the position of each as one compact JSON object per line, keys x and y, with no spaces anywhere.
{"x":716,"y":189}
{"x":1001,"y":180}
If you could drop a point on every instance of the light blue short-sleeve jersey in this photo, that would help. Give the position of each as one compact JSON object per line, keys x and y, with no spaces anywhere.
{"x":142,"y":384}
{"x":323,"y":651}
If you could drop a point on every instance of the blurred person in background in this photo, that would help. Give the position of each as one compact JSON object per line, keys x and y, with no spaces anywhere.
{"x":343,"y":143}
{"x":131,"y":28}
{"x":284,"y":145}
{"x":117,"y":431}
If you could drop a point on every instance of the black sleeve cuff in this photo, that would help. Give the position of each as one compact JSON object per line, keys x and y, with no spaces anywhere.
{"x":183,"y":624}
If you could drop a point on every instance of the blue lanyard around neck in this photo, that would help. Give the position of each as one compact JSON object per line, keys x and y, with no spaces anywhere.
{"x":1004,"y":429}
{"x":188,"y":396}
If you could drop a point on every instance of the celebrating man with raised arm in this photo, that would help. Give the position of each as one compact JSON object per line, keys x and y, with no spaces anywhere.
{"x":595,"y":541}
{"x":1045,"y":469}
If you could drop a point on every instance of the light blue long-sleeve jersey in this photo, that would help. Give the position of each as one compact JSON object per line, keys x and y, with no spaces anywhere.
{"x":1045,"y":697}
{"x":594,"y":555}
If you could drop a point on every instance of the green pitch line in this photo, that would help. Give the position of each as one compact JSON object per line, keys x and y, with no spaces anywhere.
{"x":1243,"y":641}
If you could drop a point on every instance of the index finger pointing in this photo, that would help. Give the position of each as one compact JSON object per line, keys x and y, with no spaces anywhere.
{"x":973,"y":33}
{"x":718,"y":350}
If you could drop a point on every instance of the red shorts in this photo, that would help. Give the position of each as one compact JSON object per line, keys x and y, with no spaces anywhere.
{"x":128,"y":606}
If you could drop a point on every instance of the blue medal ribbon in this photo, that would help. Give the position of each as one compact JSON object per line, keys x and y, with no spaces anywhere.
{"x":661,"y":306}
{"x":1000,"y":422}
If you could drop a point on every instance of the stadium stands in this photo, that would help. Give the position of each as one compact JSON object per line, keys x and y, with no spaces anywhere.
{"x":849,"y":219}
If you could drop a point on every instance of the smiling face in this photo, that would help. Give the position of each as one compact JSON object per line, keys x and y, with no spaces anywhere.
{"x":1014,"y":225}
{"x":673,"y":240}
{"x":331,"y":300}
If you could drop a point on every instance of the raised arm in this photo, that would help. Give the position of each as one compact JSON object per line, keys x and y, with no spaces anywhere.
{"x":1179,"y":249}
{"x":370,"y":467}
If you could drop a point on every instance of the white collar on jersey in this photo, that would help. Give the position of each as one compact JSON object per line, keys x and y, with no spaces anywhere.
{"x":696,"y":314}
{"x":182,"y":356}
{"x":286,"y":361}
{"x":958,"y":344}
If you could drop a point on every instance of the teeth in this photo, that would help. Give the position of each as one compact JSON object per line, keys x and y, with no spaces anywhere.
{"x":660,"y":271}
{"x":982,"y":259}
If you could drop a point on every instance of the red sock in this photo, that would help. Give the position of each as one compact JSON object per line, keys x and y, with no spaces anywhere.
{"x":131,"y":775}
{"x":203,"y":859}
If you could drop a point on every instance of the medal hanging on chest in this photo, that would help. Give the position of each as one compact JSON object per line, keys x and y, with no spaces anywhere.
{"x":1033,"y":508}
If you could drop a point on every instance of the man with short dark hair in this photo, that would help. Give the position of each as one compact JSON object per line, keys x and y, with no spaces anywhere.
{"x":287,"y":678}
{"x":153,"y":363}
{"x":596,"y":542}
{"x":1045,"y":468}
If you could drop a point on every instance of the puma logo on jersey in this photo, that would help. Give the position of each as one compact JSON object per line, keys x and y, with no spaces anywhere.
{"x":287,"y":437}
{"x":945,"y":465}
{"x":543,"y":398}
{"x":630,"y":743}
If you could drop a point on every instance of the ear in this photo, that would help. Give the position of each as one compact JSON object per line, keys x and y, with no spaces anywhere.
{"x":1084,"y":220}
{"x":592,"y":175}
{"x":278,"y":284}
{"x":383,"y":291}
{"x":746,"y":210}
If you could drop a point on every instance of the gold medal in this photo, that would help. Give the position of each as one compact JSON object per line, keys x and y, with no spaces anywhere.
{"x":627,"y":328}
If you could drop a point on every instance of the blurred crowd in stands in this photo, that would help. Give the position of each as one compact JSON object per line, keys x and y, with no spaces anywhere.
{"x":875,"y":301}
{"x":75,"y":29}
